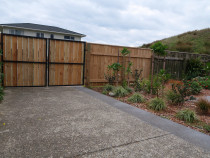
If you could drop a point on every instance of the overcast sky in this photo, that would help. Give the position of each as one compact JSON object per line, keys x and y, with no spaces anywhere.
{"x":121,"y":22}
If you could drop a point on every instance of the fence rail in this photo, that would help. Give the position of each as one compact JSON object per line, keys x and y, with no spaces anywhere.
{"x":175,"y":62}
{"x":99,"y":56}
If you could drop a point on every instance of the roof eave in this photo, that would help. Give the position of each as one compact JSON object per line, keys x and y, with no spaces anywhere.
{"x":80,"y":35}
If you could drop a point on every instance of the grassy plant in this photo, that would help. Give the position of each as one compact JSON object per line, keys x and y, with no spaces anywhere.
{"x":174,"y":98}
{"x":206,"y":127}
{"x":128,"y":89}
{"x":186,"y":115}
{"x":157,"y":104}
{"x":120,"y":92}
{"x":203,"y":105}
{"x":136,"y":98}
{"x":1,"y":93}
{"x":108,"y":87}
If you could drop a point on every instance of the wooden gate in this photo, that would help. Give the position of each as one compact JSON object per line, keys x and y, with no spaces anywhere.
{"x":25,"y":60}
{"x":66,"y":63}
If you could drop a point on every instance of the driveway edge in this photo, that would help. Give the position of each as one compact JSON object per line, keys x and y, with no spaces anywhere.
{"x":200,"y":139}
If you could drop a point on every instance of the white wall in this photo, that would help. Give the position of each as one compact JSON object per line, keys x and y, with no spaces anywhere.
{"x":46,"y":34}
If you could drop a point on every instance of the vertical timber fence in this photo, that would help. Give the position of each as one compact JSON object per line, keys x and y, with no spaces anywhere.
{"x":175,"y":62}
{"x":99,"y":56}
{"x":24,"y":60}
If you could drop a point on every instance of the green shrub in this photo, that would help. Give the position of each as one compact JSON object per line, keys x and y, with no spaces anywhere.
{"x":206,"y":127}
{"x":203,"y":81}
{"x":1,"y":93}
{"x":203,"y":105}
{"x":120,"y":92}
{"x":145,"y":85}
{"x":105,"y":92}
{"x":128,"y":89}
{"x":186,"y":115}
{"x":136,"y":98}
{"x":108,"y":87}
{"x":174,"y":98}
{"x":181,"y":91}
{"x":195,"y":87}
{"x":157,"y":104}
{"x":194,"y":68}
{"x":137,"y":83}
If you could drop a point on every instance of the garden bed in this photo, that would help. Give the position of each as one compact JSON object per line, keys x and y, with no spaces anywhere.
{"x":171,"y":110}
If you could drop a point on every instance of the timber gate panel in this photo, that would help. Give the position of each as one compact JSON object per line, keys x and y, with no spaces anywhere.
{"x":66,"y":63}
{"x":25,"y":61}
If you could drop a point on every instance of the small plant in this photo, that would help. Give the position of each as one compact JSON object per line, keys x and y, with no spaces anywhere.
{"x":174,"y":98}
{"x":108,"y":87}
{"x":128,"y":89}
{"x":120,"y":92}
{"x":124,"y":53}
{"x":194,"y":68}
{"x":136,"y":98}
{"x":194,"y":87}
{"x":145,"y":85}
{"x":203,"y":105}
{"x":180,"y":90}
{"x":115,"y":67}
{"x":110,"y":78}
{"x":157,"y":104}
{"x":206,"y":127}
{"x":1,"y":93}
{"x":186,"y":115}
{"x":137,"y":75}
{"x":203,"y":81}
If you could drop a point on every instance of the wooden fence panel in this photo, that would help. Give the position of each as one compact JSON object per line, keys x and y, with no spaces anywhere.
{"x":99,"y":56}
{"x":175,"y":62}
{"x":24,"y":61}
{"x":66,"y":62}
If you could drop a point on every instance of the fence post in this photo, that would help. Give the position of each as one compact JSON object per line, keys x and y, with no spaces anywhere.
{"x":164,"y":63}
{"x":87,"y":64}
{"x":152,"y":72}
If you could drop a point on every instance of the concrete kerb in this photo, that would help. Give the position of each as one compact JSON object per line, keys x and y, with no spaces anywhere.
{"x":200,"y":139}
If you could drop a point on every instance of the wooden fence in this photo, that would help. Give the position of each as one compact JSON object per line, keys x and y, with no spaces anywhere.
{"x":175,"y":62}
{"x":24,"y":61}
{"x":99,"y":56}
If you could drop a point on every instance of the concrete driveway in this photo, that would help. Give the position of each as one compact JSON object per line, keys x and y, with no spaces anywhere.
{"x":77,"y":122}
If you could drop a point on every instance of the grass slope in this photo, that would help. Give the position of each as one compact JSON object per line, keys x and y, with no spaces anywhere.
{"x":197,"y":41}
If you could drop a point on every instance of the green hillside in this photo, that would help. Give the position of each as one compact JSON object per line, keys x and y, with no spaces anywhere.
{"x":197,"y":41}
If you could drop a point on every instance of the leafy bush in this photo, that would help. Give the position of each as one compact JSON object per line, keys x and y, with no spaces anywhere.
{"x":195,"y":87}
{"x":194,"y":68}
{"x":128,"y":89}
{"x":107,"y":88}
{"x":203,"y":105}
{"x":110,"y":78}
{"x":137,"y":83}
{"x":156,"y":84}
{"x":159,"y":48}
{"x":1,"y":93}
{"x":206,"y":127}
{"x":145,"y":85}
{"x":174,"y":98}
{"x":180,"y":90}
{"x":157,"y":104}
{"x":120,"y":92}
{"x":136,"y":98}
{"x":186,"y":115}
{"x":203,"y":81}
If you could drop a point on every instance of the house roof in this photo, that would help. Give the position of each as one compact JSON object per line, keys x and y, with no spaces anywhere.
{"x":39,"y":27}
